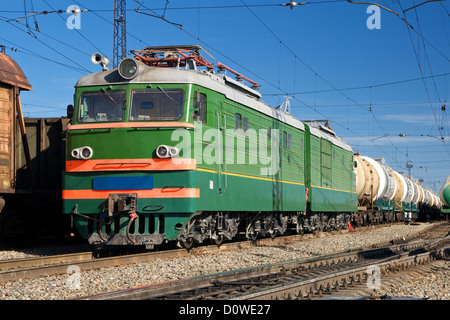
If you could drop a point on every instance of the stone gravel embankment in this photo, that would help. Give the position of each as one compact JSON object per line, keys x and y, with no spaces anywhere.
{"x":97,"y":281}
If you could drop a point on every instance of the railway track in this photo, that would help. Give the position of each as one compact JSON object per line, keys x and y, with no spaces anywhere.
{"x":11,"y":270}
{"x":300,"y":279}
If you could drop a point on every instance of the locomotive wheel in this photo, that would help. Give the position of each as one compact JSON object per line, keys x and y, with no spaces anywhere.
{"x":272,"y":234}
{"x":299,"y":229}
{"x":252,"y":234}
{"x":218,"y":240}
{"x":187,"y":243}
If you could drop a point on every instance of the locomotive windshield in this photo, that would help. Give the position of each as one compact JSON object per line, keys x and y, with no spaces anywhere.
{"x":101,"y":106}
{"x":156,"y":104}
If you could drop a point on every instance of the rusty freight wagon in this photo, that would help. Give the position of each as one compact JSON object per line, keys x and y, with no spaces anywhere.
{"x":31,"y":161}
{"x":12,"y":81}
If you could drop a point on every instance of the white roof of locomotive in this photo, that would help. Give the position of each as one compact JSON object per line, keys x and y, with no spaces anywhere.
{"x":221,"y":83}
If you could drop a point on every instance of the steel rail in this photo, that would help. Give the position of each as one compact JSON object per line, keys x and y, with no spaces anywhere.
{"x":12,"y":270}
{"x":307,"y":288}
{"x":206,"y":286}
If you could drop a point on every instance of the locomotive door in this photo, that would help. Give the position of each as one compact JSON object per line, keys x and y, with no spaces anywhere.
{"x":209,"y":111}
{"x":220,"y":149}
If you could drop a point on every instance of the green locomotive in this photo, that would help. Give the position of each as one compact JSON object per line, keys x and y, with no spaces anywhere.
{"x":166,"y":147}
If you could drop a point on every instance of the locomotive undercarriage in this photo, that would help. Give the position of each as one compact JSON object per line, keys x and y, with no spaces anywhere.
{"x":217,"y":227}
{"x":220,"y":226}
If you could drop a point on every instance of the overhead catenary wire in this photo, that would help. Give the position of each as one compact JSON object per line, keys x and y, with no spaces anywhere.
{"x":387,"y":8}
{"x":316,"y":73}
{"x":23,"y":50}
{"x":50,"y":47}
{"x":274,"y":85}
{"x":422,"y":74}
{"x":278,"y":87}
{"x":108,"y":21}
{"x":440,"y":120}
{"x":53,"y":38}
{"x":76,"y":30}
{"x":366,"y":86}
{"x":268,"y":5}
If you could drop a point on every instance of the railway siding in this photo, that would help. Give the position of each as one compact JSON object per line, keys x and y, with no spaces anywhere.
{"x":200,"y":262}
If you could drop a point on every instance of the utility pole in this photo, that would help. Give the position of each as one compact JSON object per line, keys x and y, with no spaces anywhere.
{"x":409,"y":166}
{"x":120,"y":33}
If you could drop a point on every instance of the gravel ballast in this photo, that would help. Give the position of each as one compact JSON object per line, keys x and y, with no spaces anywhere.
{"x":77,"y":284}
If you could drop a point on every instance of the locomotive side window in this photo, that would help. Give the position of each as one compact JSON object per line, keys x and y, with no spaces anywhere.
{"x":156,"y":104}
{"x":101,"y":106}
{"x":238,"y":121}
{"x":245,"y":124}
{"x":199,"y":107}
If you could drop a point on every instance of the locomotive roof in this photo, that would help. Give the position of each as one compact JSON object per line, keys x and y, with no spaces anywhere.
{"x":231,"y":88}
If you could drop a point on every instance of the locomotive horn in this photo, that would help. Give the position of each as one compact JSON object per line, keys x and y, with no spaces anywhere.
{"x":97,"y":58}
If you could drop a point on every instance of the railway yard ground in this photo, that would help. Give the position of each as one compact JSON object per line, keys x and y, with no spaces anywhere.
{"x":431,"y":282}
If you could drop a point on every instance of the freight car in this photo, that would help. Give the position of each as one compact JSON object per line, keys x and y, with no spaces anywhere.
{"x":31,"y":163}
{"x":166,"y":147}
{"x":384,"y":195}
{"x":444,"y":197}
{"x":12,"y":81}
{"x":34,"y":208}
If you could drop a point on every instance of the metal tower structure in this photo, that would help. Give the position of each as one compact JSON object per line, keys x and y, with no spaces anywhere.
{"x":409,"y":166}
{"x":120,"y":33}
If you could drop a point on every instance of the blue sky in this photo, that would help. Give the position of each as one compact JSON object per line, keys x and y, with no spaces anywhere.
{"x":322,"y":54}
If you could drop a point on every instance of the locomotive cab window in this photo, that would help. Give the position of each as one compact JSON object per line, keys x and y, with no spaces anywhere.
{"x":102,"y":106}
{"x":156,"y":104}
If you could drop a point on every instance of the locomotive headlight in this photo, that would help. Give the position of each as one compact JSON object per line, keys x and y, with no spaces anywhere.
{"x":83,"y":153}
{"x":174,"y":152}
{"x":86,"y":153}
{"x":75,"y":153}
{"x":128,"y":68}
{"x":164,"y":151}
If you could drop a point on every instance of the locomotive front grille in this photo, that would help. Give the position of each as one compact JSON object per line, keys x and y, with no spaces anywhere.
{"x":146,"y":229}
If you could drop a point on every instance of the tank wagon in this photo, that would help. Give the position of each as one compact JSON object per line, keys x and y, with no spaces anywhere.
{"x":169,"y":147}
{"x":444,"y":198}
{"x":385,"y":195}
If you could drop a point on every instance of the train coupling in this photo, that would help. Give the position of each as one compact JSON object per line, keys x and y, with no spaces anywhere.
{"x":118,"y":203}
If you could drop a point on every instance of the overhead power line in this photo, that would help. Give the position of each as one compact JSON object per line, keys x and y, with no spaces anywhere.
{"x":268,"y":5}
{"x":366,"y":86}
{"x":48,"y":46}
